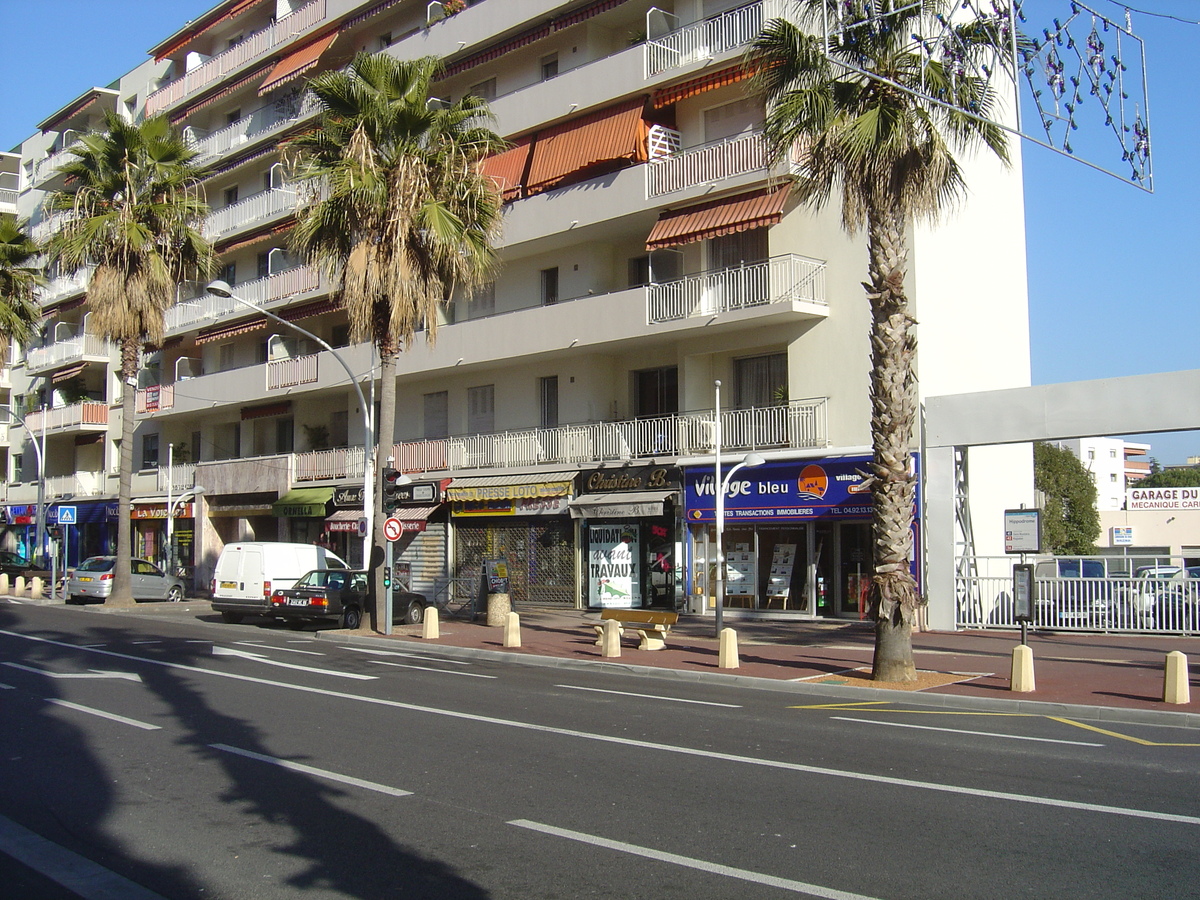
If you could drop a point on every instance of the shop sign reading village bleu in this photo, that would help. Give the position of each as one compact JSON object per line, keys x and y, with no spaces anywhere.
{"x":784,"y":491}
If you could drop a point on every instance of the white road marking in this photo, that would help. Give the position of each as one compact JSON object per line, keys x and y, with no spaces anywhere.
{"x":576,"y":687}
{"x":384,"y":662}
{"x":226,"y":651}
{"x":104,"y":715}
{"x":787,"y":884}
{"x":455,"y":662}
{"x":147,"y":642}
{"x":74,"y":872}
{"x":281,"y":649}
{"x":1011,"y":737}
{"x":92,"y":673}
{"x":310,"y":770}
{"x":699,"y":753}
{"x":6,"y":687}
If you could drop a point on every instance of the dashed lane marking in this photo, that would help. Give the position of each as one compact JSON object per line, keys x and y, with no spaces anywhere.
{"x":576,"y":687}
{"x":989,"y":734}
{"x":312,"y":770}
{"x":145,"y":726}
{"x":385,"y":662}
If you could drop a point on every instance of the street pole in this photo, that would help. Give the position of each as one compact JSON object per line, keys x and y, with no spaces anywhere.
{"x":39,"y":452}
{"x":718,"y":486}
{"x":221,"y":289}
{"x":192,"y":493}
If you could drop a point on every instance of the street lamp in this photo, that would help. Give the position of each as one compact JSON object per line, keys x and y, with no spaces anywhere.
{"x":189,"y":494}
{"x":222,"y":289}
{"x":40,"y":453}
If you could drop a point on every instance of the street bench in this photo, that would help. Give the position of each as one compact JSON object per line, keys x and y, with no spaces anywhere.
{"x":651,"y":625}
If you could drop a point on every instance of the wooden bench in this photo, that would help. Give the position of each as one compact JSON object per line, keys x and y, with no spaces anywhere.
{"x":651,"y":625}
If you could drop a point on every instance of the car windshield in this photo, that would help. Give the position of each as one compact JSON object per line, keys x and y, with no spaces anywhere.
{"x":96,"y":564}
{"x":9,"y":558}
{"x":322,"y":579}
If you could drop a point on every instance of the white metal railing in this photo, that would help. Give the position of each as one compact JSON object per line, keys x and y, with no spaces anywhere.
{"x":208,"y":308}
{"x":780,"y":279}
{"x":154,"y":398}
{"x":60,"y":352}
{"x":79,"y":484}
{"x":255,"y":45}
{"x":86,"y":413}
{"x":322,"y":465}
{"x":704,"y":40}
{"x":717,"y":161}
{"x":178,"y":478}
{"x":49,"y":225}
{"x":245,"y":129}
{"x":1115,"y":593}
{"x":255,"y":208}
{"x":284,"y":373}
{"x":65,"y":285}
{"x":794,"y":425}
{"x":7,"y":197}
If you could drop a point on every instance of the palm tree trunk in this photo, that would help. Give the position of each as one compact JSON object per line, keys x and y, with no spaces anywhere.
{"x":894,"y":595}
{"x":384,"y":439}
{"x":122,"y":589}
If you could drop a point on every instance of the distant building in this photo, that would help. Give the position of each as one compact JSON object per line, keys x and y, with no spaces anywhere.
{"x":1114,"y":465}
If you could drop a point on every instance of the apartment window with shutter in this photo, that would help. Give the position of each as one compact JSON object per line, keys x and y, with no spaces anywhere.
{"x":149,"y":451}
{"x":437,"y":414}
{"x":760,"y":380}
{"x":231,"y":195}
{"x":549,"y":286}
{"x":481,"y":409}
{"x":549,"y":65}
{"x":225,"y":357}
{"x":548,"y":389}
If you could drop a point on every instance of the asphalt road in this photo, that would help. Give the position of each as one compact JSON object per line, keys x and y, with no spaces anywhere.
{"x":182,"y":758}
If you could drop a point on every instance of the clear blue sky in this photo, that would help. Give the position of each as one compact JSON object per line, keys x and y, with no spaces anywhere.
{"x":1108,"y":289}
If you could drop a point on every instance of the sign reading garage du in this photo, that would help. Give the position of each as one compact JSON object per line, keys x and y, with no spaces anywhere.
{"x":790,"y":491}
{"x":642,"y":478}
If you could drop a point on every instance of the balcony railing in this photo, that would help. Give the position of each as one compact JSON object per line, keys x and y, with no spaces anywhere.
{"x":256,"y":45}
{"x":178,"y":478}
{"x":65,"y":285}
{"x":704,"y":40}
{"x":48,"y":226}
{"x":46,"y":166}
{"x":91,"y":415}
{"x":781,"y":279}
{"x":326,"y":465}
{"x":8,"y":200}
{"x":61,"y":352}
{"x":285,"y":373}
{"x":255,"y":208}
{"x":79,"y":484}
{"x":209,"y":308}
{"x":154,"y":398}
{"x":795,"y":425}
{"x":717,"y":161}
{"x":245,"y":129}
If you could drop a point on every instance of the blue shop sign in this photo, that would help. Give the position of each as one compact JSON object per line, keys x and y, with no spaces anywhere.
{"x":792,"y":491}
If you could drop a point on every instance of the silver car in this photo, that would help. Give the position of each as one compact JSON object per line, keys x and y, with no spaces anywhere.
{"x":91,"y":582}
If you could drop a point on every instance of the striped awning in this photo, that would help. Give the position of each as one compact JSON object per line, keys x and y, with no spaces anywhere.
{"x":608,"y":135}
{"x":297,"y":63}
{"x":259,"y":237}
{"x":264,"y":410}
{"x":68,"y":373}
{"x":511,"y":487}
{"x":708,"y":220}
{"x":182,"y":113}
{"x":232,"y":164}
{"x":193,"y":30}
{"x":695,"y":86}
{"x":497,"y":51}
{"x":308,"y":310}
{"x":508,"y":168}
{"x":228,"y":331}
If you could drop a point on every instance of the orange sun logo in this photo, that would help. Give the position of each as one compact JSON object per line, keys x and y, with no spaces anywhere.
{"x":813,"y":482}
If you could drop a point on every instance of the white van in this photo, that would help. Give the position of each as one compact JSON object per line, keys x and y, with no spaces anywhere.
{"x":248,"y":572}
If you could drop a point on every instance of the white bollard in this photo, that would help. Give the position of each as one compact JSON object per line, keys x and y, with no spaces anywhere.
{"x":512,"y":630}
{"x":1175,"y":679}
{"x":1022,"y":669}
{"x":19,"y":587}
{"x":35,"y":587}
{"x":611,"y":647}
{"x":429,"y":624}
{"x":727,"y":658}
{"x":4,"y":583}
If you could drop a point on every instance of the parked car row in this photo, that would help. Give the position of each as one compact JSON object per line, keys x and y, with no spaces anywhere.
{"x":1073,"y":592}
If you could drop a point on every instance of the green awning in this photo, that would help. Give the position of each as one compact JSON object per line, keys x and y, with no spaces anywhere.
{"x":303,"y":503}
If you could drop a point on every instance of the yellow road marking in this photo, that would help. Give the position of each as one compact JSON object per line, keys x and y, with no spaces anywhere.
{"x":842,"y":705}
{"x":1119,"y":735}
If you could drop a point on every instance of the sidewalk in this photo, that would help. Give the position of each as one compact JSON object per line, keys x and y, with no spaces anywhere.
{"x":1099,"y":674}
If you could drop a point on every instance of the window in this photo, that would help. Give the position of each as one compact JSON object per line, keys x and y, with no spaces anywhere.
{"x":231,"y":195}
{"x":548,"y":390}
{"x":225,"y":357}
{"x":232,"y":116}
{"x":549,"y":286}
{"x":481,"y":409}
{"x":437,"y":414}
{"x":264,"y":265}
{"x":285,"y":436}
{"x":228,"y":273}
{"x":1091,"y":454}
{"x":760,"y":381}
{"x":485,"y":90}
{"x":1113,"y":477}
{"x":339,"y":428}
{"x":656,"y":391}
{"x":549,"y":66}
{"x":385,"y":41}
{"x":339,"y":336}
{"x":639,"y":271}
{"x":731,"y":250}
{"x":732,"y":119}
{"x":149,"y":451}
{"x":195,"y":446}
{"x":483,"y":302}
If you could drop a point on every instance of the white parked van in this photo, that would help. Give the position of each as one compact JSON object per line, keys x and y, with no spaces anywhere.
{"x":248,"y":572}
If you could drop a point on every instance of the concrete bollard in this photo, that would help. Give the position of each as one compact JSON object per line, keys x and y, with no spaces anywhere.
{"x":1022,"y":669}
{"x":728,"y":656}
{"x":498,"y":608}
{"x":4,"y":583}
{"x":429,"y":624}
{"x":512,"y":630}
{"x":35,"y":587}
{"x":611,"y":637}
{"x":1175,"y":679}
{"x":19,"y":586}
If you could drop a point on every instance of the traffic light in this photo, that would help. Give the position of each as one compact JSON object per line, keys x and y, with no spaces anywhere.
{"x":392,"y":479}
{"x":55,"y":532}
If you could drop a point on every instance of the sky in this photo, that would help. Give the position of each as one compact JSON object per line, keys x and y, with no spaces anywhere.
{"x":1106,"y":261}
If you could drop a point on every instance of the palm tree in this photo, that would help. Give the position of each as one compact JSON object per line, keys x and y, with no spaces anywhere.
{"x":397,"y":214}
{"x":133,"y":209}
{"x":18,"y":279}
{"x":887,"y":139}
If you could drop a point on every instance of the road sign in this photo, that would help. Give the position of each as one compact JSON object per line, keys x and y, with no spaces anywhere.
{"x":392,"y":529}
{"x":362,"y":527}
{"x":66,"y":515}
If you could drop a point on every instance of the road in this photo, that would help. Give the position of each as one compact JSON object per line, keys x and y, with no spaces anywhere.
{"x":173,"y":757}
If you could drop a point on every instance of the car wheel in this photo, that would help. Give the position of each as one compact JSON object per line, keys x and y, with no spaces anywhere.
{"x":175,"y":594}
{"x":352,"y":618}
{"x":75,"y":600}
{"x":415,"y":613}
{"x":231,"y":617}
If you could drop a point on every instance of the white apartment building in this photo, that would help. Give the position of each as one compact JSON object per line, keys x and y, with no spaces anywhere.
{"x":564,"y":420}
{"x":1114,"y":465}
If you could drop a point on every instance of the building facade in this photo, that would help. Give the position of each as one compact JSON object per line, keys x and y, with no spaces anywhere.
{"x":566,"y":413}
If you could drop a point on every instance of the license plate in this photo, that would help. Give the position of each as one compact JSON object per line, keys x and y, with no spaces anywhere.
{"x":297,"y":601}
{"x":229,"y":585}
{"x":85,"y":577}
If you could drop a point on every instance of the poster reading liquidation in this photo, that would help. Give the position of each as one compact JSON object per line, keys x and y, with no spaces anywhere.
{"x":614,"y":581}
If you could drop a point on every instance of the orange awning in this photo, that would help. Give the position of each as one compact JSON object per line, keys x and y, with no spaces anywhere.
{"x":180,"y":114}
{"x":68,"y":373}
{"x":616,"y":133}
{"x":193,"y":30}
{"x":265,"y":235}
{"x":297,"y":63}
{"x":508,"y":169}
{"x":308,"y":310}
{"x":709,"y":220}
{"x":233,"y":330}
{"x":710,"y":82}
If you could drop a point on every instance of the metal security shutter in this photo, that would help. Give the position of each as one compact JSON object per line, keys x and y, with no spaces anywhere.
{"x":427,"y":556}
{"x":540,"y":553}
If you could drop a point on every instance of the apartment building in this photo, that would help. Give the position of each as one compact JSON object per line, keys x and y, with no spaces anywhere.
{"x":1114,"y":465}
{"x":564,"y":421}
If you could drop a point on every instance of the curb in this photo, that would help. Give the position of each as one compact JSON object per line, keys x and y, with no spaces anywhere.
{"x":1116,"y":715}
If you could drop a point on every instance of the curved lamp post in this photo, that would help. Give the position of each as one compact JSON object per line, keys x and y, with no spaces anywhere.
{"x":39,"y":452}
{"x":172,"y":506}
{"x":222,"y":289}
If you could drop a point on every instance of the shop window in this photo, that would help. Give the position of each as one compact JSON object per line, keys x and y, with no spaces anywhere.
{"x":656,"y":392}
{"x":149,"y":451}
{"x":760,"y":381}
{"x":548,"y":389}
{"x":437,"y":415}
{"x":550,"y":286}
{"x":481,"y":409}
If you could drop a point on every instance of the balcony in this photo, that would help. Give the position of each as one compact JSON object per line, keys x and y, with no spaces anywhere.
{"x":329,"y":465}
{"x":255,"y":46}
{"x":706,"y":164}
{"x":77,"y":484}
{"x":45,"y":173}
{"x":704,"y":40}
{"x":65,"y":286}
{"x":800,"y":424}
{"x":154,"y":398}
{"x":84,"y":347}
{"x":207,"y":309}
{"x":286,"y":373}
{"x":782,"y":279}
{"x":42,"y":231}
{"x":260,"y":207}
{"x":175,"y":480}
{"x":87,"y":416}
{"x":249,"y":475}
{"x":259,"y":124}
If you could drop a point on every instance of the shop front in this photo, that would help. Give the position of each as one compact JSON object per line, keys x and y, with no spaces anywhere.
{"x":796,"y":537}
{"x":419,"y":555}
{"x":630,"y":536}
{"x":149,"y":520}
{"x":523,"y":520}
{"x":342,"y":534}
{"x":302,"y":513}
